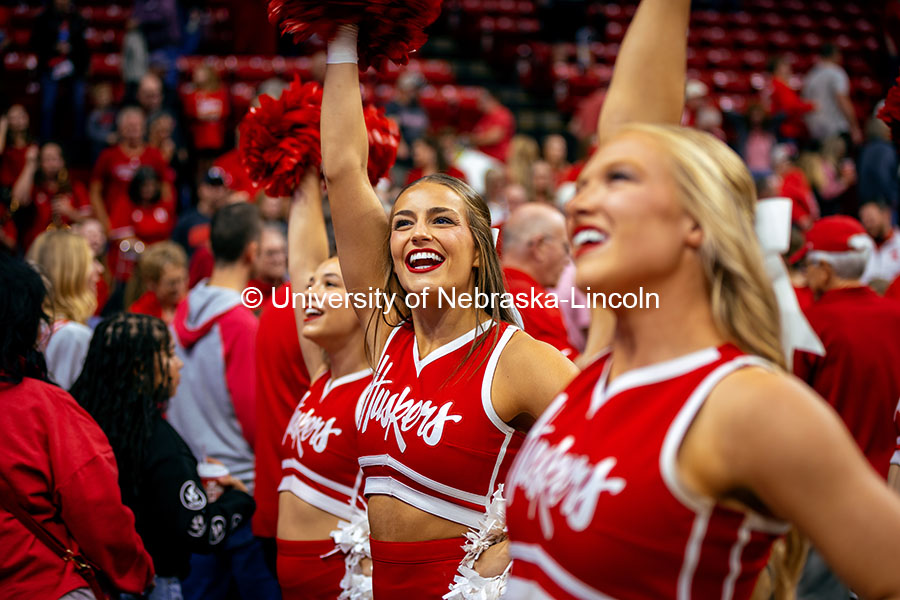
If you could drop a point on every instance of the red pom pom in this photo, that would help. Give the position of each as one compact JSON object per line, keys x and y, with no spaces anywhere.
{"x":279,"y":139}
{"x":384,"y":139}
{"x":388,"y":29}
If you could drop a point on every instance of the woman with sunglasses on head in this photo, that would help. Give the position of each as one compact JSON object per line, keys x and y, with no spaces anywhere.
{"x":669,"y":467}
{"x":321,"y":477}
{"x":456,"y":383}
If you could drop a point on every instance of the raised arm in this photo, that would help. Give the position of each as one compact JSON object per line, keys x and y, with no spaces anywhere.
{"x":307,"y":249}
{"x":648,"y":81}
{"x":21,"y":191}
{"x":360,"y":223}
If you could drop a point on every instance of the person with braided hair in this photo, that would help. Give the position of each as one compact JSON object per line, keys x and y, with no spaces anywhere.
{"x":56,"y":465}
{"x":157,"y":472}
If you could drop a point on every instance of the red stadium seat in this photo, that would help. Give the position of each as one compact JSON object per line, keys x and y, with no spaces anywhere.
{"x":106,"y":66}
{"x":719,"y":58}
{"x":749,"y":38}
{"x":19,"y":62}
{"x":754,"y":60}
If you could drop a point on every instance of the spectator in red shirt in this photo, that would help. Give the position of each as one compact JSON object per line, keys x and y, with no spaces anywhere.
{"x":535,"y":252}
{"x":45,"y":194}
{"x":858,"y":374}
{"x":117,"y":165}
{"x":60,"y":464}
{"x":428,"y":159}
{"x":206,"y":107}
{"x":790,"y":182}
{"x":160,"y":281}
{"x":494,"y":130}
{"x":270,"y":268}
{"x":786,"y":102}
{"x":14,"y":143}
{"x":281,"y":378}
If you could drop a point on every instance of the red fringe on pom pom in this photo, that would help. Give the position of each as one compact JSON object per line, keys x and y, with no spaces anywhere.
{"x":388,"y":29}
{"x":279,"y":140}
{"x":384,"y":139}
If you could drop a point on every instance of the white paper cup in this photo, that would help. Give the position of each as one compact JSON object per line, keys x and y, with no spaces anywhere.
{"x":209,"y":474}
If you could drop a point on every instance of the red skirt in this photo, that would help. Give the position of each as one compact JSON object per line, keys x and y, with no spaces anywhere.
{"x":421,"y":570}
{"x":304,"y":575}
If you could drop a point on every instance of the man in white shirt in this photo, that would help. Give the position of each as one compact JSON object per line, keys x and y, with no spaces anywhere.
{"x":884,"y":263}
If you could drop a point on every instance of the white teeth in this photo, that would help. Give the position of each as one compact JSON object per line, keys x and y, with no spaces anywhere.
{"x":423,"y":255}
{"x":588,"y":236}
{"x":313,"y":312}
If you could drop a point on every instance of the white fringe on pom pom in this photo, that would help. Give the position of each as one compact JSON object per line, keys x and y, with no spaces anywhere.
{"x":469,"y":585}
{"x":353,"y":540}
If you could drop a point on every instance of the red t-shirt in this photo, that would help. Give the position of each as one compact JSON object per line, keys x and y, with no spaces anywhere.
{"x":207,"y":112}
{"x":502,"y":117}
{"x":893,"y":291}
{"x":416,"y":174}
{"x":147,"y":304}
{"x":787,"y":101}
{"x":60,"y":463}
{"x":542,"y":322}
{"x":281,"y":380}
{"x":795,"y":186}
{"x":40,"y":212}
{"x":115,"y":170}
{"x":858,"y":375}
{"x":230,"y":162}
{"x":12,"y":161}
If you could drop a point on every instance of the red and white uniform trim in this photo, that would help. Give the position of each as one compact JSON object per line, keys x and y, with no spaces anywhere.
{"x":319,"y":446}
{"x":423,"y":437}
{"x":596,"y":507}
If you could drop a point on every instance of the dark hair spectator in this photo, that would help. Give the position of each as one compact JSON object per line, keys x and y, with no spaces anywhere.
{"x":56,"y":465}
{"x":232,"y":230}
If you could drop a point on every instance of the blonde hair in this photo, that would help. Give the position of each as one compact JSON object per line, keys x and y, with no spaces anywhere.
{"x":523,"y":153}
{"x":150,"y":267}
{"x":65,"y":260}
{"x":718,"y":192}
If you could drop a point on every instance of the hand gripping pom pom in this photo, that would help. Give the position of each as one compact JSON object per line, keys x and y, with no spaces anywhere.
{"x":388,"y":29}
{"x":384,"y":139}
{"x":279,"y":139}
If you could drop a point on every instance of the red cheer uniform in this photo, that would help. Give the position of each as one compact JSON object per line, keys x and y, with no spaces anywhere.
{"x":319,"y":466}
{"x":596,"y":506}
{"x":430,"y":437}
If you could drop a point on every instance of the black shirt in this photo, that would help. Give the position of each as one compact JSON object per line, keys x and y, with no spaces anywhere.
{"x":171,"y":510}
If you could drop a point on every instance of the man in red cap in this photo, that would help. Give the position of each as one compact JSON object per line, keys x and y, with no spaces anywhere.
{"x":860,"y":330}
{"x":858,"y":375}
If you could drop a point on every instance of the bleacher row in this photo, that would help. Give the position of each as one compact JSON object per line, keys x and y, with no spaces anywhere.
{"x":728,"y":51}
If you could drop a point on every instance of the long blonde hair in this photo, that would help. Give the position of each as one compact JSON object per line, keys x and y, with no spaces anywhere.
{"x":718,"y":192}
{"x":65,"y":260}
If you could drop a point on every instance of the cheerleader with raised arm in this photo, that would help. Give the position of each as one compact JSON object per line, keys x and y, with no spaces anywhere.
{"x":669,"y":467}
{"x":320,"y":484}
{"x":455,"y":384}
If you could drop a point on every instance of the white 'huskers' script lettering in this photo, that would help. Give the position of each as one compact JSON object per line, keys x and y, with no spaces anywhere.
{"x":307,"y":426}
{"x":549,"y":476}
{"x":395,"y":412}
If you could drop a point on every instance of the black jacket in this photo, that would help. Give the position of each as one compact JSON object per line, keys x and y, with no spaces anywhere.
{"x":46,"y":33}
{"x":172,"y":514}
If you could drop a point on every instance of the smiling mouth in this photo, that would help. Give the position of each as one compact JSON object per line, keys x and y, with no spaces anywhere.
{"x":423,"y":261}
{"x":312,"y":314}
{"x":586,"y":239}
